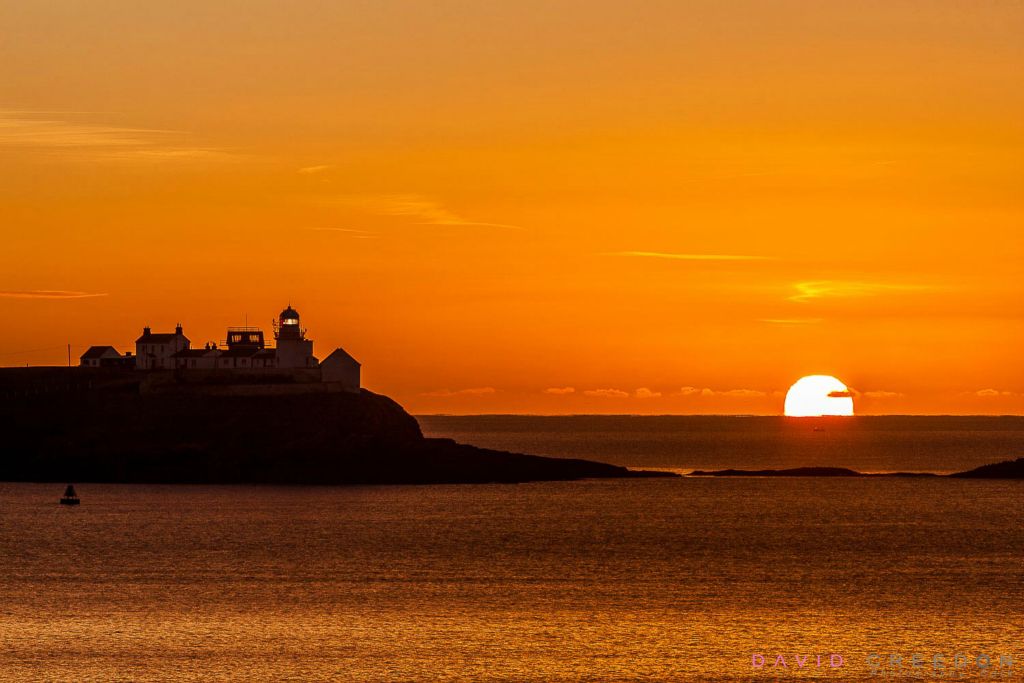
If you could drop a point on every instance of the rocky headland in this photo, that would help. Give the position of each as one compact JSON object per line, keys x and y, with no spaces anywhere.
{"x":108,"y":425}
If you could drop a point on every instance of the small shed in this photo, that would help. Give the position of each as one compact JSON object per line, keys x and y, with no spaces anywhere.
{"x":99,"y":356}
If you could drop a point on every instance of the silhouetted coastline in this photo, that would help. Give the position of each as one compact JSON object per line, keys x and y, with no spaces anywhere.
{"x":118,"y":426}
{"x":123,"y":426}
{"x":1007,"y":469}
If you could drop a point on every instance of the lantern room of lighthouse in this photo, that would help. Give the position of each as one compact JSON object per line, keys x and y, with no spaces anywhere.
{"x":293,"y":349}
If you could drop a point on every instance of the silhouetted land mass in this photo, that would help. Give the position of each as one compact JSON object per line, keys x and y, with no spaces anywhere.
{"x":805,"y":472}
{"x":794,"y":472}
{"x":99,"y":425}
{"x":1010,"y":469}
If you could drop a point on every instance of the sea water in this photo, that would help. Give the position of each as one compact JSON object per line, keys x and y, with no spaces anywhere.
{"x":679,"y":579}
{"x":684,"y":443}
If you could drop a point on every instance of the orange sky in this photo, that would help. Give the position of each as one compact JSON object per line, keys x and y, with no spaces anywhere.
{"x":668,"y":207}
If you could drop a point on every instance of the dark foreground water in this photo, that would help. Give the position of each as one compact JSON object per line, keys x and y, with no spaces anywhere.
{"x":601,"y":580}
{"x":685,"y":443}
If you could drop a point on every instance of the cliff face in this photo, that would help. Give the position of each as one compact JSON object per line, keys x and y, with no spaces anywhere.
{"x":82,"y":425}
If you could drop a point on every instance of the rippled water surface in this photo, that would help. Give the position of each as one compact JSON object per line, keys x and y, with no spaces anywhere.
{"x":598,"y":580}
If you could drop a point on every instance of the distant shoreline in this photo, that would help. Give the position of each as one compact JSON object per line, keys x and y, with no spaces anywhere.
{"x":1007,"y":469}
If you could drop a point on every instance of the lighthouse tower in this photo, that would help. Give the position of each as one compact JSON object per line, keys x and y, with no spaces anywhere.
{"x":293,"y":349}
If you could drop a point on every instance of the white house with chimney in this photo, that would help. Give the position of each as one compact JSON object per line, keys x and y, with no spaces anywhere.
{"x":155,"y":351}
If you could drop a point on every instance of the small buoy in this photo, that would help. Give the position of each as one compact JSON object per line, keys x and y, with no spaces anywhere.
{"x":69,"y":497}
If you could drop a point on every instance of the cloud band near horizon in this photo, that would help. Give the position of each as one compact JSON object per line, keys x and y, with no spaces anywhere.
{"x":690,"y":257}
{"x":48,"y":294}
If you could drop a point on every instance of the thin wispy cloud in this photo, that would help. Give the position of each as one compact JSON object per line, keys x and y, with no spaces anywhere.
{"x":472,"y":391}
{"x":421,"y":209}
{"x":791,"y":321}
{"x":784,"y":170}
{"x":645,"y":393}
{"x":20,"y":129}
{"x":820,"y":289}
{"x":728,"y":393}
{"x":96,"y":141}
{"x":606,"y":393}
{"x":881,"y":394}
{"x":993,"y":393}
{"x":560,"y":391}
{"x":739,"y":393}
{"x":351,"y":232}
{"x":313,"y":170}
{"x":160,"y":155}
{"x":690,"y":257}
{"x":48,"y":294}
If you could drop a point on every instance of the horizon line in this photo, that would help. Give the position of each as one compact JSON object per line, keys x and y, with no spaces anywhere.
{"x":740,"y":415}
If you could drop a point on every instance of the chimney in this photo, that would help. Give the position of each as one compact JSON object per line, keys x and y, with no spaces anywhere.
{"x":177,"y":330}
{"x":145,"y":330}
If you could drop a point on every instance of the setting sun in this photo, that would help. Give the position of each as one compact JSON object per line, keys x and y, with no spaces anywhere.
{"x":817,"y":395}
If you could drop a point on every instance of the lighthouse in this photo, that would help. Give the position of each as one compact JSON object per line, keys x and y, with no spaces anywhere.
{"x":244,"y":354}
{"x":293,"y":349}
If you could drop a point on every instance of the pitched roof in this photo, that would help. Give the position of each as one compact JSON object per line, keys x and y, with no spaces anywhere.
{"x":158,"y":338}
{"x":99,"y":352}
{"x":340,"y":355}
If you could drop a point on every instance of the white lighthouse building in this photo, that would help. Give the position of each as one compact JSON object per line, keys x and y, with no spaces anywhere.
{"x":293,"y":349}
{"x":243,"y":352}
